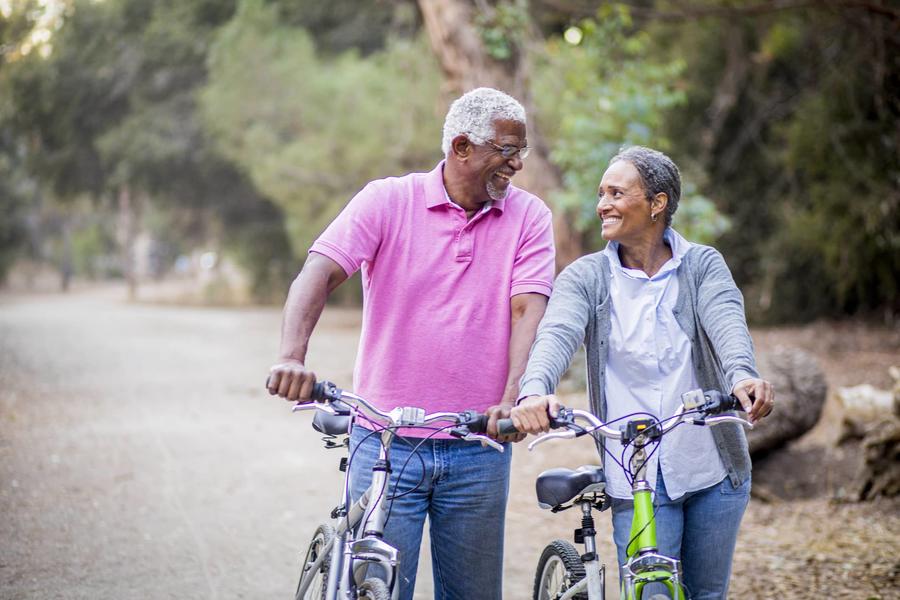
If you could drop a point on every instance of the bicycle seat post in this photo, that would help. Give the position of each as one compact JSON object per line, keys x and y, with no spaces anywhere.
{"x":586,"y":534}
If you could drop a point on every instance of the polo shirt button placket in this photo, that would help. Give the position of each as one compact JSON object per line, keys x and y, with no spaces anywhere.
{"x":464,"y":244}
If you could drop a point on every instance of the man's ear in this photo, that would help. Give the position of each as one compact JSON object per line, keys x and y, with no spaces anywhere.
{"x":461,"y":147}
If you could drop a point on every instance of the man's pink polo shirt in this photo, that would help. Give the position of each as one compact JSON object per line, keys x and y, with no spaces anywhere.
{"x":437,"y":288}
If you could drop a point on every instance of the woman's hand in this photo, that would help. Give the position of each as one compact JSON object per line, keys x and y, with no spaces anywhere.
{"x":757,"y":397}
{"x":532,"y":415}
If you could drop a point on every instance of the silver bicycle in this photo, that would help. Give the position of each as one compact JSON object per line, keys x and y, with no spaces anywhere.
{"x":347,"y":558}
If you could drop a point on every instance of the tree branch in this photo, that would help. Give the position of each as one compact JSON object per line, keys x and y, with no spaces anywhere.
{"x":695,"y":12}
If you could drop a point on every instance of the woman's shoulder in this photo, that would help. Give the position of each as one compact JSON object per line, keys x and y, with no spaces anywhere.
{"x":590,"y":265}
{"x":704,"y":263}
{"x":701,"y":255}
{"x":587,"y":275}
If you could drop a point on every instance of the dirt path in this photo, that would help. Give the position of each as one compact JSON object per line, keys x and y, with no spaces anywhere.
{"x":139,"y":458}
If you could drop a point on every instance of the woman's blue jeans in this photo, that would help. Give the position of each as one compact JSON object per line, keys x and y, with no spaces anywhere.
{"x":462,"y":487}
{"x":700,"y":528}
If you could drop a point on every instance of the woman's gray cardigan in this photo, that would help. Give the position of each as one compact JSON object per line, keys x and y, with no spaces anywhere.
{"x":709,"y":309}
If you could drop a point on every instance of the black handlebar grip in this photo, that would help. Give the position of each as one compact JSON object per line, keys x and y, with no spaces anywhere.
{"x":732,"y":403}
{"x":318,"y":391}
{"x":506,"y":427}
{"x":717,"y":402}
{"x":478,"y":424}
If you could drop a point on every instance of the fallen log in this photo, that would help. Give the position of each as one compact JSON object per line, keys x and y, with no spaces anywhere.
{"x":800,"y":392}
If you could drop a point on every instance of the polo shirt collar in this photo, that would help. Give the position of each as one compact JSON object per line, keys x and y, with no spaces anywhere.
{"x":436,"y":193}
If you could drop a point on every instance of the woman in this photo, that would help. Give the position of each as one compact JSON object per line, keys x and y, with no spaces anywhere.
{"x":658,"y":316}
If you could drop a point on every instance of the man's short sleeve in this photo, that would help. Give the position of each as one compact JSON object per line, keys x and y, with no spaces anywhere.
{"x":535,"y":261}
{"x":355,"y":234}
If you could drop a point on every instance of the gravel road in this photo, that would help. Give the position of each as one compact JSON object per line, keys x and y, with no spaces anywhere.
{"x":141,"y":458}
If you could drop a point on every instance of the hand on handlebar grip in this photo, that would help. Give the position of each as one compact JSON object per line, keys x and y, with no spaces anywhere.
{"x":291,"y":380}
{"x":495,"y":415}
{"x":533,"y":414}
{"x":757,"y":396}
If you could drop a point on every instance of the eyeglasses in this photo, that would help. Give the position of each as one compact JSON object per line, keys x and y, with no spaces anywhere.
{"x":509,"y":151}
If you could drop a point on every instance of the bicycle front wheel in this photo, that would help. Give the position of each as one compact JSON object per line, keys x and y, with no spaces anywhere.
{"x":373,"y":589}
{"x":318,"y":579}
{"x":558,"y":570}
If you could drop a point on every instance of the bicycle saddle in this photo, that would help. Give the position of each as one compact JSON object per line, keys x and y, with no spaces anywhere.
{"x":331,"y":424}
{"x":558,"y":486}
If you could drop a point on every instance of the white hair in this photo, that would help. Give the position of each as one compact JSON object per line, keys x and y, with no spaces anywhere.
{"x":473,"y":115}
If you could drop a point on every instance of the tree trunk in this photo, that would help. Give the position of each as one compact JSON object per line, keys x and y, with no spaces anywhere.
{"x":67,"y":262}
{"x":128,"y":229}
{"x":467,"y":64}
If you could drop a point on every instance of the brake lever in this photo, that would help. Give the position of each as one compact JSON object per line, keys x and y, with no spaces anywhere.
{"x":568,"y":435}
{"x":729,"y":419}
{"x":474,"y":437}
{"x":323,"y":406}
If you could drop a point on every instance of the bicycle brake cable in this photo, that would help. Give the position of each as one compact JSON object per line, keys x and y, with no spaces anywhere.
{"x":415,"y":450}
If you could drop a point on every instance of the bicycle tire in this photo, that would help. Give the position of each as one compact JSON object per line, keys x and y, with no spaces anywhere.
{"x":373,"y":589}
{"x":559,"y":568}
{"x":316,"y":590}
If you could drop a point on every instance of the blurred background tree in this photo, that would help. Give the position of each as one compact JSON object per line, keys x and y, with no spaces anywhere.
{"x":311,"y":128}
{"x":245,"y":125}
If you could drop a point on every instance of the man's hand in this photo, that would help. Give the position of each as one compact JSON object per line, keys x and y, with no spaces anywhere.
{"x":757,"y":397}
{"x":532,"y":415}
{"x":290,"y":380}
{"x":495,"y":413}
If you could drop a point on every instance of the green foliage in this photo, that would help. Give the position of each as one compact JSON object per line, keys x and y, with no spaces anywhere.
{"x":16,"y":187}
{"x":311,"y":131}
{"x":13,"y":201}
{"x":807,"y":160}
{"x":340,"y":25}
{"x":92,"y":245}
{"x":605,"y":93}
{"x":114,"y":105}
{"x":252,"y":122}
{"x":503,"y":28}
{"x":846,"y":211}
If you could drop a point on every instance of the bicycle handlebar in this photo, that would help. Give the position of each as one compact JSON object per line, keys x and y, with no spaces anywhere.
{"x":706,"y":404}
{"x":468,"y":425}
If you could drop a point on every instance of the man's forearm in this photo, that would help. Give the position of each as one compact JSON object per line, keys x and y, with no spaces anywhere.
{"x":527,"y":310}
{"x":304,"y":305}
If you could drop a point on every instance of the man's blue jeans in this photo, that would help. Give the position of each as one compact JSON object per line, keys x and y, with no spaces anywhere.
{"x":700,"y":528}
{"x":462,"y":488}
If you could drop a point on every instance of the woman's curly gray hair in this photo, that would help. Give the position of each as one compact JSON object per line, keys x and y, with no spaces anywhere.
{"x":658,"y":174}
{"x":473,"y":115}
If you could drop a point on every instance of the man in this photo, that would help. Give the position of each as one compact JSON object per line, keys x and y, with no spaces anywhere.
{"x":457,"y":265}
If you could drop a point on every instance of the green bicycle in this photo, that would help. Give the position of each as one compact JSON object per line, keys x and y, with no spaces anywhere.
{"x":564,"y":574}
